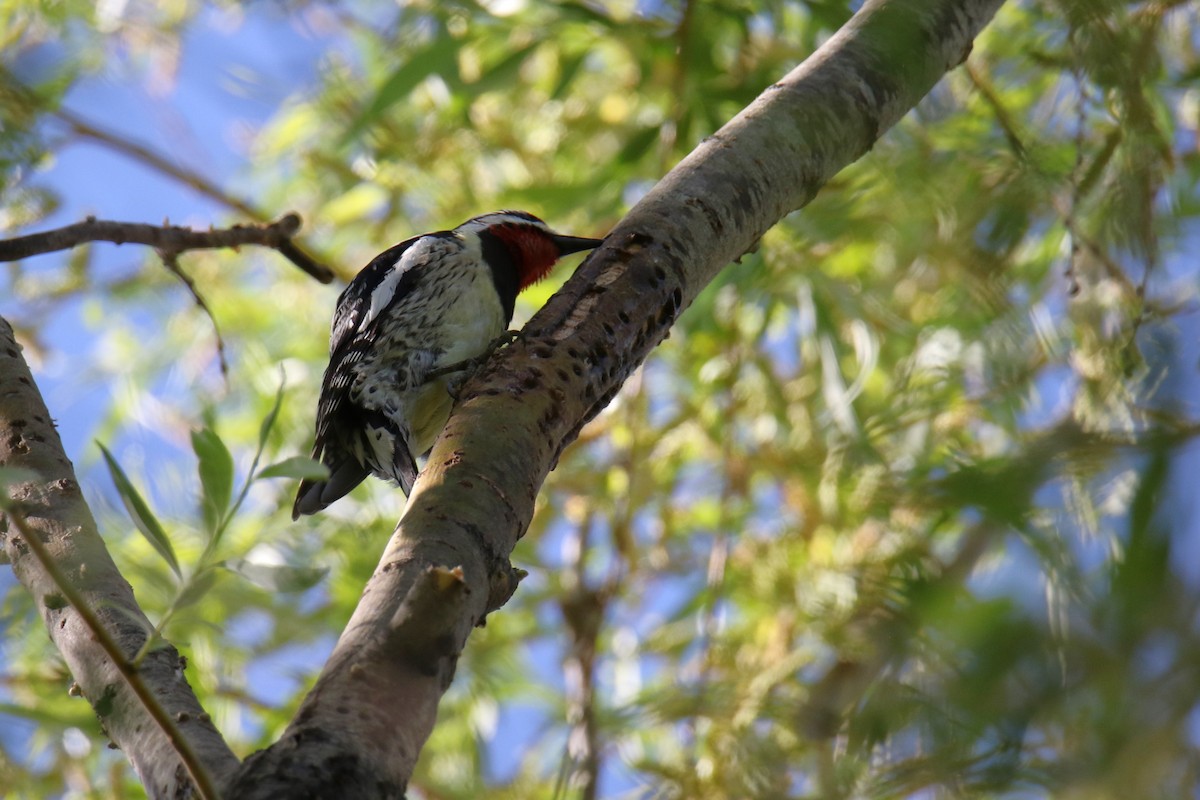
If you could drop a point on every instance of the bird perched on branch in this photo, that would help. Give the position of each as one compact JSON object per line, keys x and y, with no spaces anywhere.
{"x":426,"y":304}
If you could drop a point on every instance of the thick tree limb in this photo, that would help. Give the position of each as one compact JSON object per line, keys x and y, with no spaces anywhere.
{"x":359,"y":731}
{"x":52,"y":509}
{"x":170,"y":240}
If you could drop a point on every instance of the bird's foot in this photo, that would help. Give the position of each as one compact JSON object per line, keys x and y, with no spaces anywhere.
{"x":460,"y":371}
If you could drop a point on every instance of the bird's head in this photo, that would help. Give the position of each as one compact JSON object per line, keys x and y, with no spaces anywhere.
{"x":529,"y":242}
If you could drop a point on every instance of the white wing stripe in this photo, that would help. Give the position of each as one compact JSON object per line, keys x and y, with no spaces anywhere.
{"x":385,"y":292}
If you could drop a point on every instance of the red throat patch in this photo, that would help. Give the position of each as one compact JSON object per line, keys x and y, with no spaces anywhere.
{"x":532,"y":250}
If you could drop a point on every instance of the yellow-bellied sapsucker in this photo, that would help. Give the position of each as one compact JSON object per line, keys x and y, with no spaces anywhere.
{"x":429,"y":302}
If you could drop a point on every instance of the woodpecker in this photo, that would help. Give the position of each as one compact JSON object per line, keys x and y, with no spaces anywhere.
{"x":427,"y":303}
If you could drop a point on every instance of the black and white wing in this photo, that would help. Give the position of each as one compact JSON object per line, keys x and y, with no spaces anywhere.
{"x":370,"y":295}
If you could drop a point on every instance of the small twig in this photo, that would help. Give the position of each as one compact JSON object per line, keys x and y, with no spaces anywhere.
{"x":200,"y":777}
{"x":292,"y":252}
{"x":30,"y":102}
{"x":1112,"y":269}
{"x":1070,"y":219}
{"x":583,"y":609}
{"x":458,"y":366}
{"x":171,"y":262}
{"x":173,"y":239}
{"x":1008,"y":126}
{"x":683,"y":36}
{"x":718,"y":560}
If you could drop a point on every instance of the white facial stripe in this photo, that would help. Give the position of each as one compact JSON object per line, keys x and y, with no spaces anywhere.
{"x":499,"y":218}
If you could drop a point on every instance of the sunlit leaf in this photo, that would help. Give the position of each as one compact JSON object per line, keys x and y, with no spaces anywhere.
{"x":296,"y":467}
{"x":264,"y":430}
{"x":197,"y":587}
{"x":54,"y":717}
{"x":568,"y":72}
{"x":502,"y":73}
{"x":638,"y":144}
{"x":139,"y":511}
{"x":216,"y":476}
{"x":355,"y":203}
{"x":277,"y":577}
{"x":435,"y":58}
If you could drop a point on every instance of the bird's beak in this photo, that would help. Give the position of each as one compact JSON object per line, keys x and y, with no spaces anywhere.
{"x":573,"y":244}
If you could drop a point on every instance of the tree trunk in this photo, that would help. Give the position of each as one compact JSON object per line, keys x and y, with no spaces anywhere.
{"x":50,"y":507}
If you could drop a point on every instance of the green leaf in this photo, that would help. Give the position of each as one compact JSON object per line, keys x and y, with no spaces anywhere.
{"x":216,"y":476}
{"x":269,"y":421}
{"x":143,"y":518}
{"x":569,"y":71}
{"x":197,"y":587}
{"x":637,"y":145}
{"x":503,"y":73}
{"x":296,"y":467}
{"x":581,"y":12}
{"x":439,"y":56}
{"x":51,"y":718}
{"x":276,"y":577}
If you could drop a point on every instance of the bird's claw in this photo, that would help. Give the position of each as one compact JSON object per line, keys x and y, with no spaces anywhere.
{"x":462,"y":370}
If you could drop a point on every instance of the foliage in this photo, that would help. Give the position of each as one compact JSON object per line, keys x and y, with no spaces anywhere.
{"x":901,"y":505}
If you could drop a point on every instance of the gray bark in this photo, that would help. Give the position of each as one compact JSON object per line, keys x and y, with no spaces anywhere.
{"x":51,"y":507}
{"x":169,"y":240}
{"x":359,"y":732}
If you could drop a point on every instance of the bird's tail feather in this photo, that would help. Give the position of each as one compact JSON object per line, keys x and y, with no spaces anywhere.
{"x":314,"y":496}
{"x":404,"y":469}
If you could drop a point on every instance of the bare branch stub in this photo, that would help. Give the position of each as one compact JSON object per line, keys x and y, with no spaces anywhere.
{"x":170,"y":240}
{"x":171,"y":262}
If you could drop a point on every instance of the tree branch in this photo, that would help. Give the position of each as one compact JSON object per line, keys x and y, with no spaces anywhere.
{"x":171,"y":262}
{"x":17,"y":93}
{"x":50,"y":510}
{"x":368,"y":716}
{"x":168,"y":239}
{"x":111,"y":647}
{"x":584,"y":605}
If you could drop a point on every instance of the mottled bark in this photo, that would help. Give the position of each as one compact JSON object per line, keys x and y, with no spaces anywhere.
{"x":375,"y":703}
{"x":51,"y":507}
